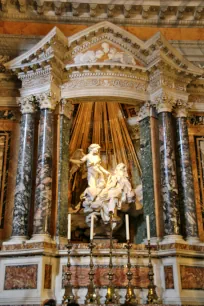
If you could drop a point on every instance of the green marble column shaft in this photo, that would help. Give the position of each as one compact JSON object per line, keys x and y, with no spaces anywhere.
{"x":63,"y":167}
{"x":147,"y":181}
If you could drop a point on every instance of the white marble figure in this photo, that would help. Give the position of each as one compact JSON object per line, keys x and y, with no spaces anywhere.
{"x":104,"y":195}
{"x":111,"y":56}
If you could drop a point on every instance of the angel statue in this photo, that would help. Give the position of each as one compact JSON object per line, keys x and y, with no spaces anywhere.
{"x":93,"y":162}
{"x":105,"y":191}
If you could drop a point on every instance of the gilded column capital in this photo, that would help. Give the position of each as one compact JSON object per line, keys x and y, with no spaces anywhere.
{"x":181,"y":108}
{"x":144,"y":111}
{"x":66,"y":108}
{"x":164,"y":102}
{"x":28,"y":105}
{"x":47,"y":100}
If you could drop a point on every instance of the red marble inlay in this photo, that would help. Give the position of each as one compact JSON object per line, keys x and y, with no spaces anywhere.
{"x":48,"y":277}
{"x":169,"y":277}
{"x":192,"y":277}
{"x":20,"y":277}
{"x":80,"y":276}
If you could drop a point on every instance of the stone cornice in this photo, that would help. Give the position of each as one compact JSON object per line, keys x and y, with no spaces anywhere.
{"x":123,"y":13}
{"x":52,"y":48}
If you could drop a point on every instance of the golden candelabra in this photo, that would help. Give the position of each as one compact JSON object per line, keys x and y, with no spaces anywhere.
{"x":68,"y":295}
{"x":92,"y":297}
{"x":130,"y":297}
{"x":152,"y":297}
{"x":111,"y":296}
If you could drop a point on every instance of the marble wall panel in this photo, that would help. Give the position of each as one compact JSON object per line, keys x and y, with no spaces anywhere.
{"x":10,"y":127}
{"x":48,"y":277}
{"x":5,"y":140}
{"x":192,"y":277}
{"x":20,"y":277}
{"x":80,"y":277}
{"x":196,"y":139}
{"x":169,"y":277}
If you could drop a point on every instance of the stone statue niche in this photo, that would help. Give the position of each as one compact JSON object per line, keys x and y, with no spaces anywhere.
{"x":105,"y":192}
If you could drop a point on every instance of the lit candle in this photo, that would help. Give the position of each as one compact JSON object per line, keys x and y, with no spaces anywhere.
{"x":127,"y":227}
{"x":92,"y":227}
{"x":148,"y":227}
{"x":69,"y":227}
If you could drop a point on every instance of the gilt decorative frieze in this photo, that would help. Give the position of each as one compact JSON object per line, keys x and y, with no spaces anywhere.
{"x":36,"y":80}
{"x":116,"y":83}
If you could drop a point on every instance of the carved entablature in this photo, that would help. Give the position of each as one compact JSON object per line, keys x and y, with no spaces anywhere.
{"x":104,"y":60}
{"x":142,"y":13}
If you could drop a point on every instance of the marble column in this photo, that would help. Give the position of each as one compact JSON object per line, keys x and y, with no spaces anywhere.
{"x":147,"y":175}
{"x":23,"y":191}
{"x":185,"y":178}
{"x":43,"y":190}
{"x":169,"y":186}
{"x":64,"y":126}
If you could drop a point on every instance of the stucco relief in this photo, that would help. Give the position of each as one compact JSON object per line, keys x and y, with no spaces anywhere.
{"x":107,"y":53}
{"x":116,"y":83}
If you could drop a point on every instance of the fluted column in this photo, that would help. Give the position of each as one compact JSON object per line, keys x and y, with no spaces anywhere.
{"x":43,"y":191}
{"x":185,"y":178}
{"x":169,"y":186}
{"x":23,"y":191}
{"x":64,"y":126}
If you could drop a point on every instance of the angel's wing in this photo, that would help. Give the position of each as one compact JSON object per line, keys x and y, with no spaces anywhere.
{"x":77,"y":155}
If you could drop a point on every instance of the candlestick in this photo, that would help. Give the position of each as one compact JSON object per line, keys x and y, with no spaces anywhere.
{"x":68,"y":295}
{"x":111,"y":296}
{"x":148,"y":227}
{"x":92,"y":296}
{"x":92,"y":227}
{"x":69,"y":227}
{"x":127,"y":227}
{"x":152,"y":297}
{"x":130,"y":297}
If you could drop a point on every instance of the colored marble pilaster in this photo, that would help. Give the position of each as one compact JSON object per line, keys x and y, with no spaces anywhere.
{"x":23,"y":190}
{"x":185,"y":179}
{"x":147,"y":174}
{"x":65,"y":116}
{"x":147,"y":181}
{"x":43,"y":191}
{"x":169,"y":185}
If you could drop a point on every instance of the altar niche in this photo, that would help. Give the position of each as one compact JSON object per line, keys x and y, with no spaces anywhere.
{"x":105,"y":171}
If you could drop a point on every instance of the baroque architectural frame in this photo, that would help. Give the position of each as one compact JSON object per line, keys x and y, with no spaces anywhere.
{"x":79,"y":67}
